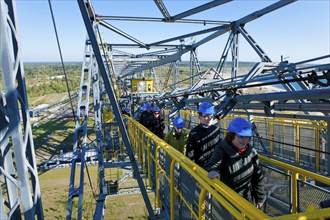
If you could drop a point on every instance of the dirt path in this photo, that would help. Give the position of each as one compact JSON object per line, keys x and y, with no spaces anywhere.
{"x":48,"y":99}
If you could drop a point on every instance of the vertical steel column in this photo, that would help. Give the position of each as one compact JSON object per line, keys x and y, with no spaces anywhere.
{"x":154,"y":74}
{"x":17,"y":157}
{"x":191,"y":69}
{"x":224,"y":55}
{"x":88,"y":24}
{"x":175,"y":78}
{"x":98,"y":126}
{"x":80,"y":135}
{"x":234,"y":53}
{"x":196,"y":62}
{"x":99,"y":210}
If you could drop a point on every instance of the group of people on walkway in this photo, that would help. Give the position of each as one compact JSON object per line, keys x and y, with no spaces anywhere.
{"x":231,"y":159}
{"x":151,"y":119}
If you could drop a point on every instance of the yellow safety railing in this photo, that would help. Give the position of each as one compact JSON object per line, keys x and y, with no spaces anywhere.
{"x":282,"y":133}
{"x":295,"y":172}
{"x":143,"y":140}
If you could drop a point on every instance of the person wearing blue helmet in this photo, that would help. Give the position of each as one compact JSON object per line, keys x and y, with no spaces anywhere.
{"x":236,"y":163}
{"x":204,"y":137}
{"x":125,"y":111}
{"x":177,"y":138}
{"x":146,"y":115}
{"x":156,"y":124}
{"x":137,"y":114}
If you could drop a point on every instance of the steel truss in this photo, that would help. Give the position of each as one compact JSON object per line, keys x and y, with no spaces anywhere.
{"x":20,"y":191}
{"x":173,"y":52}
{"x":302,"y":88}
{"x":98,"y":58}
{"x":305,"y":91}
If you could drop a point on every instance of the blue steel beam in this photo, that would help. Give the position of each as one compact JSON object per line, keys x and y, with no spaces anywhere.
{"x":246,"y":19}
{"x":88,"y":24}
{"x":266,"y":10}
{"x":118,"y":45}
{"x":20,"y":195}
{"x":219,"y":30}
{"x":199,"y":9}
{"x":153,"y":19}
{"x":169,"y":59}
{"x":161,"y":6}
{"x":226,"y":26}
{"x":116,"y":30}
{"x":80,"y":135}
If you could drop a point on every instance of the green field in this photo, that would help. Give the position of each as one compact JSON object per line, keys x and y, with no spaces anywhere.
{"x":52,"y":137}
{"x":54,"y":186}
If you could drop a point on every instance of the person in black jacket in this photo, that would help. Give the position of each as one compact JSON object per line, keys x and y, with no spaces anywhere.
{"x":236,"y":163}
{"x":146,"y":115}
{"x":156,"y":124}
{"x":203,"y":138}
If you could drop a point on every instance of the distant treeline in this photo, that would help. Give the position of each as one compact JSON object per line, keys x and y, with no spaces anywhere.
{"x":48,"y":77}
{"x":50,"y":69}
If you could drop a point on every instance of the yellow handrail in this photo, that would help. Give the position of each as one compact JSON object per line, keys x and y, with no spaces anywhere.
{"x":229,"y":199}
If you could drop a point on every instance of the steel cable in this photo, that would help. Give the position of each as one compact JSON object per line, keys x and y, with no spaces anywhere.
{"x":60,"y":51}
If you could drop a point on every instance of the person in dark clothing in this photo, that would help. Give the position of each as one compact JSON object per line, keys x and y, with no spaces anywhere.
{"x":156,"y":124}
{"x":125,"y":111}
{"x":236,"y":163}
{"x":146,"y":115}
{"x":204,"y":137}
{"x":137,"y":114}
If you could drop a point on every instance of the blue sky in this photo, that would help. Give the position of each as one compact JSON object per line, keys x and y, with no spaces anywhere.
{"x":299,"y":31}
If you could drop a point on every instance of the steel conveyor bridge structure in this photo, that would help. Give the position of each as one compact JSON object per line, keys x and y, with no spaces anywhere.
{"x":298,"y":109}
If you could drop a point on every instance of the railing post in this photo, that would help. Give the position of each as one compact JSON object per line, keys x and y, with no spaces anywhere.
{"x":271,"y":136}
{"x":297,"y":134}
{"x":157,"y":177}
{"x":202,"y":204}
{"x":148,"y":160}
{"x":294,"y":191}
{"x":317,"y":148}
{"x":140,"y":142}
{"x":172,"y":193}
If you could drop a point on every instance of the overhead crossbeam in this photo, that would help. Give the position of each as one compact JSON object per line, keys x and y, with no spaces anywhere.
{"x":228,"y":93}
{"x":116,"y":30}
{"x":153,"y":19}
{"x":171,"y":58}
{"x":161,"y":6}
{"x":198,"y":9}
{"x":215,"y":32}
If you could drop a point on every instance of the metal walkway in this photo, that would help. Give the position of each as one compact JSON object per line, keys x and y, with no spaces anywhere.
{"x":291,"y":124}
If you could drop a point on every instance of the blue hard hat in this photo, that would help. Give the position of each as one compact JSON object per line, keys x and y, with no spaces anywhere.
{"x":147,"y":106}
{"x":206,"y":108}
{"x":241,"y":127}
{"x":156,"y":109}
{"x":178,"y":122}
